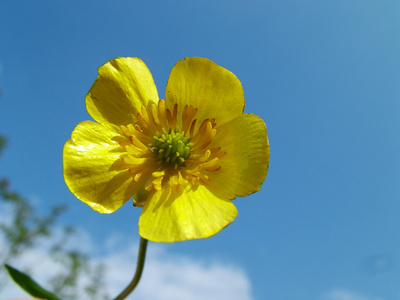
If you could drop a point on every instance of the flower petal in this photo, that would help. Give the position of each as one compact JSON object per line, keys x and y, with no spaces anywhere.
{"x":245,"y":165}
{"x":93,"y":169}
{"x":124,"y":85}
{"x":214,"y":90}
{"x":169,"y":216}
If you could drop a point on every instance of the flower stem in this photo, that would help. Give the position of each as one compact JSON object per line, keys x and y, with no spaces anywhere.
{"x":139,"y":270}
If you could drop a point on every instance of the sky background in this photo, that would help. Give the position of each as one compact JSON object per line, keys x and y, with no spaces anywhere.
{"x":323,"y":75}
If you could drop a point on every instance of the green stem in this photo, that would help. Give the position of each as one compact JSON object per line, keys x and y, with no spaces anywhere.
{"x":139,"y":270}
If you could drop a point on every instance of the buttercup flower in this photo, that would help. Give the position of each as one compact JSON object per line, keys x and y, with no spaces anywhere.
{"x":183,"y":159}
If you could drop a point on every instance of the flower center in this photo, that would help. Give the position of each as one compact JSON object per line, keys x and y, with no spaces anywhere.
{"x":172,"y":148}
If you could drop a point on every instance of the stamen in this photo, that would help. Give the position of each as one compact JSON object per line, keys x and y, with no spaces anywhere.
{"x":173,"y":180}
{"x":201,"y":130}
{"x":144,"y":115}
{"x":168,"y":150}
{"x":142,"y":121}
{"x":180,"y":155}
{"x":195,"y":170}
{"x":129,"y":160}
{"x":132,"y":150}
{"x":212,"y":120}
{"x":187,"y":116}
{"x":137,"y":176}
{"x":161,"y":113}
{"x":192,"y":127}
{"x":145,"y":138}
{"x":206,"y":138}
{"x":158,"y":174}
{"x":181,"y":180}
{"x":137,"y":143}
{"x":160,"y":153}
{"x":175,"y":115}
{"x":215,"y":150}
{"x":125,"y":130}
{"x":156,"y":183}
{"x":137,"y":128}
{"x":210,"y":163}
{"x":206,"y":156}
{"x":169,"y":118}
{"x":204,"y":178}
{"x":212,"y":169}
{"x":131,"y":127}
{"x":155,"y":116}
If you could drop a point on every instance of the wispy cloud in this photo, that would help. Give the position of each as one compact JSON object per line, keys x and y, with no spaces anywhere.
{"x":345,"y":294}
{"x":166,"y":276}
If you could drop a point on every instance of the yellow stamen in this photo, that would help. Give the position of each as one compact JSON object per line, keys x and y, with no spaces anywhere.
{"x":156,"y":183}
{"x":125,"y":130}
{"x":161,"y":114}
{"x":181,"y":155}
{"x":210,"y":163}
{"x":158,"y":174}
{"x":192,"y":127}
{"x":187,"y":116}
{"x":212,"y":169}
{"x":142,"y":121}
{"x":137,"y":176}
{"x":201,"y":130}
{"x":175,"y":115}
{"x":138,"y":143}
{"x":137,"y":128}
{"x":144,"y":114}
{"x":155,"y":117}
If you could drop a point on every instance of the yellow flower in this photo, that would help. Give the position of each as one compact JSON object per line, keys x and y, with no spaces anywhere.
{"x":183,"y":159}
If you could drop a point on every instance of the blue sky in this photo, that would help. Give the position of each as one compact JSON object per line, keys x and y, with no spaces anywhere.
{"x":324,"y":76}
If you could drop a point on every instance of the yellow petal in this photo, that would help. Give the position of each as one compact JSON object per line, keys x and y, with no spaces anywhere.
{"x":214,"y":90}
{"x":93,"y":170}
{"x":245,"y":165}
{"x":124,"y":85}
{"x":169,"y":216}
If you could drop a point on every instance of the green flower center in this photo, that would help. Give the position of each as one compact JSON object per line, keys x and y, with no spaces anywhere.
{"x":172,"y":148}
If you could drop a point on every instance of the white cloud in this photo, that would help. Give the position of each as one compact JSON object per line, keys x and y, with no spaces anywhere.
{"x":344,"y":294}
{"x":166,"y":276}
{"x":182,"y":278}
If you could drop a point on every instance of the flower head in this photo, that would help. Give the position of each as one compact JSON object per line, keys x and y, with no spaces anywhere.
{"x":183,"y":159}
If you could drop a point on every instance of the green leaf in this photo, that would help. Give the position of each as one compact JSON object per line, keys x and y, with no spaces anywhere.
{"x":29,"y":285}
